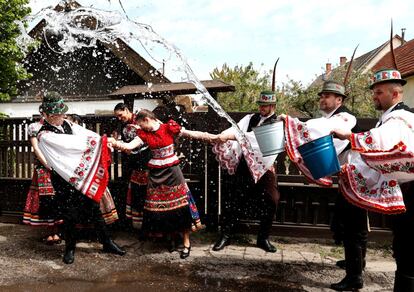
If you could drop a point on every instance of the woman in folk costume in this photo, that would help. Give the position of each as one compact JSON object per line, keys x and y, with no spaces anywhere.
{"x":168,"y":205}
{"x":39,"y":207}
{"x":79,"y":159}
{"x":136,"y":162}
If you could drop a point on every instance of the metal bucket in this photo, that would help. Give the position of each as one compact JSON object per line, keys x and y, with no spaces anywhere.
{"x":320,"y":157}
{"x":271,"y":138}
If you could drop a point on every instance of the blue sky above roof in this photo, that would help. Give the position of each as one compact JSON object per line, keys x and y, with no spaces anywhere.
{"x":304,"y":34}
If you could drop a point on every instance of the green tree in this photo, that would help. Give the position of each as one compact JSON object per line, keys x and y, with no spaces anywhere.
{"x":293,"y":97}
{"x":248,"y":83}
{"x":11,"y":70}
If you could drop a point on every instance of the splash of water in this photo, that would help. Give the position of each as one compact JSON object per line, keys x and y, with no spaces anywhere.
{"x":107,"y":27}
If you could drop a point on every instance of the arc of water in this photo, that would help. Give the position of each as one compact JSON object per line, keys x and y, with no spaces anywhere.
{"x":113,"y":27}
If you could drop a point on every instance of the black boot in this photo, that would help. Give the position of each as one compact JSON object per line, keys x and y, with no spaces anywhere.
{"x":349,"y":283}
{"x":265,"y":244}
{"x":69,"y":256}
{"x":353,"y":279}
{"x":342,"y":264}
{"x":223,"y":241}
{"x":403,"y":283}
{"x":364,"y":255}
{"x":70,"y":244}
{"x":111,"y":247}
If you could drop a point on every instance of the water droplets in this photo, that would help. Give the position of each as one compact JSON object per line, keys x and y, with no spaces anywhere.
{"x":56,"y":68}
{"x":84,"y":27}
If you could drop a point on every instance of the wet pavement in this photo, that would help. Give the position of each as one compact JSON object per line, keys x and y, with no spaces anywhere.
{"x":27,"y":264}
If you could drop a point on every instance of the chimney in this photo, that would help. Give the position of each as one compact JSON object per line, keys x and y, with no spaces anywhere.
{"x":402,"y":35}
{"x":328,"y":69}
{"x":342,"y":61}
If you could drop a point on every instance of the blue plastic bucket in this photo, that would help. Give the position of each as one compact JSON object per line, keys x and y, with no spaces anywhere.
{"x":271,"y":138}
{"x":320,"y":157}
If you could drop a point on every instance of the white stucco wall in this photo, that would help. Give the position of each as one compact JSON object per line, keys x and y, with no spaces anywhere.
{"x":21,"y":110}
{"x":409,"y":92}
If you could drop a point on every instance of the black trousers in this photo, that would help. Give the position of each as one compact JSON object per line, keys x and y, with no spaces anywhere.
{"x":354,"y":233}
{"x":243,"y":195}
{"x":75,"y":208}
{"x":402,"y":228}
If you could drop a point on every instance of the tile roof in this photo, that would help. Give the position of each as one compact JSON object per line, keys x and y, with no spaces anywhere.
{"x":175,"y":88}
{"x":358,"y":63}
{"x":363,"y":60}
{"x":404,"y":56}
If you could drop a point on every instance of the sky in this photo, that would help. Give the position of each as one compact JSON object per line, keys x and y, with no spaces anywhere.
{"x":305,"y":34}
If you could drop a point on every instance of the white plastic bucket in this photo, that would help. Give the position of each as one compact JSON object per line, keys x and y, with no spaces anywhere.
{"x":271,"y":138}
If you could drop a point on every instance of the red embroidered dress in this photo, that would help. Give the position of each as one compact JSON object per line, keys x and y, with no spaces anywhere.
{"x":169,"y":205}
{"x":138,"y":176}
{"x":38,"y":210}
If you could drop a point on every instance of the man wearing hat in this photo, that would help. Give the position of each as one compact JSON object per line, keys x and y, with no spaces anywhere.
{"x":74,"y":204}
{"x":387,"y":90}
{"x":349,"y":223}
{"x":344,"y":230}
{"x":265,"y":192}
{"x":393,"y":128}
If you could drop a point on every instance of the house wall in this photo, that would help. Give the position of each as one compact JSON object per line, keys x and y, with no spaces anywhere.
{"x":409,"y":91}
{"x":396,"y":42}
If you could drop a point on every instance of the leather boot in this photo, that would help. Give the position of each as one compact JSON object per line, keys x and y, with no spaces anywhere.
{"x":364,"y":255}
{"x":353,"y":279}
{"x":69,"y":255}
{"x":111,"y":247}
{"x":265,"y":244}
{"x":403,"y":283}
{"x":222,"y":242}
{"x":342,"y":264}
{"x":349,"y":283}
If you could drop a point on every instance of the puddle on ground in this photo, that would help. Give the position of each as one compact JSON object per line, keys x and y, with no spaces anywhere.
{"x":172,"y":277}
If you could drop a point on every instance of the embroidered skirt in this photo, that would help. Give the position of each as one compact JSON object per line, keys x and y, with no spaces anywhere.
{"x":136,"y":196}
{"x":169,"y":206}
{"x":39,"y":209}
{"x":107,"y":208}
